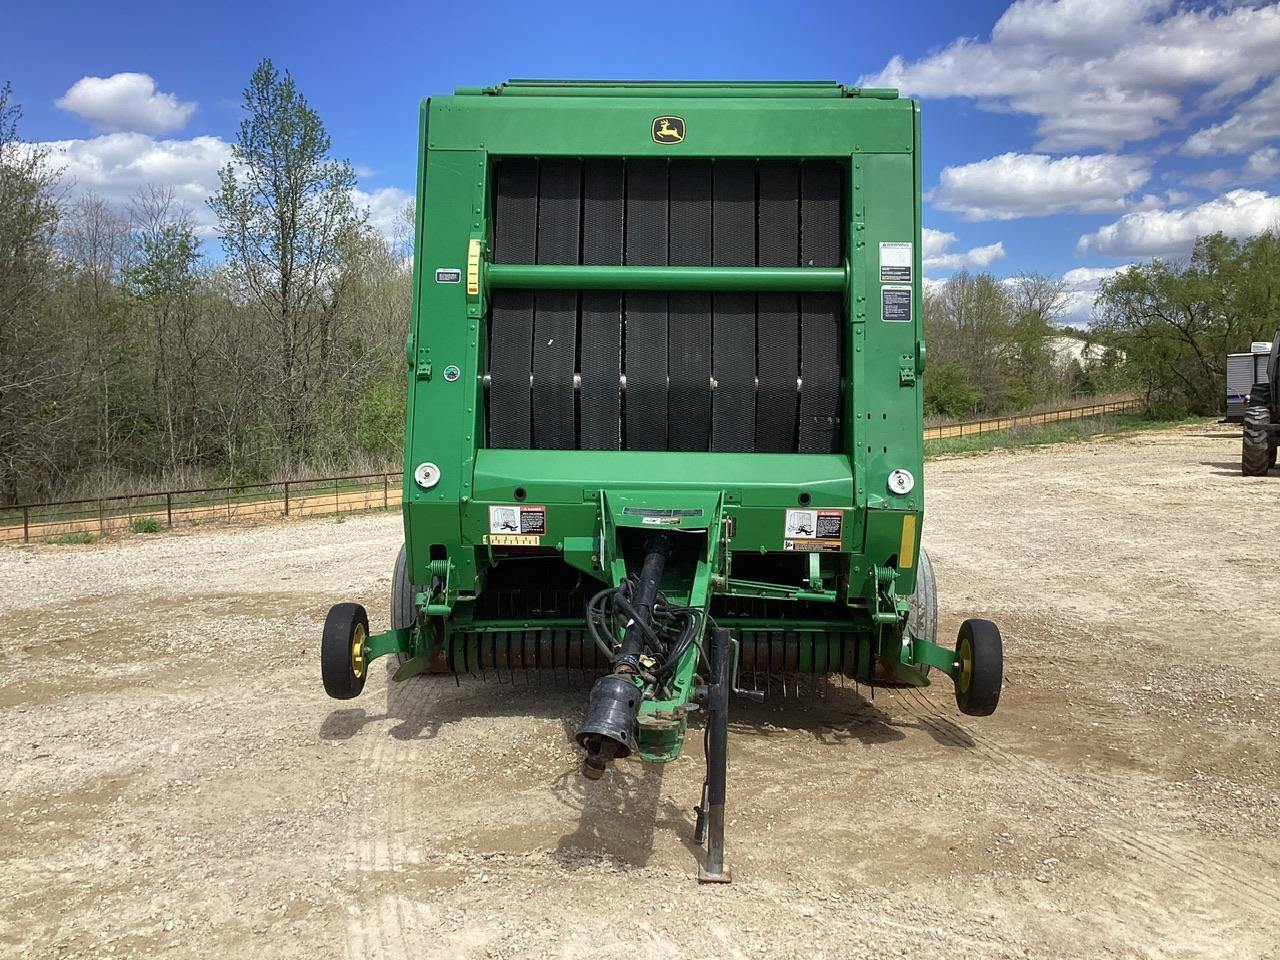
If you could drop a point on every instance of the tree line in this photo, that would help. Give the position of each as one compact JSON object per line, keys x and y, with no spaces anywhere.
{"x":996,"y":345}
{"x":129,"y":359}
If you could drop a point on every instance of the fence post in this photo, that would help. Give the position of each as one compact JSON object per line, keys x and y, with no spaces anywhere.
{"x":286,"y":498}
{"x":168,"y":507}
{"x":26,"y":524}
{"x":102,"y":518}
{"x":386,"y":493}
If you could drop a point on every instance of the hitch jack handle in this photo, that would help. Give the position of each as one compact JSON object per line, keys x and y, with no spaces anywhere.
{"x":710,"y":820}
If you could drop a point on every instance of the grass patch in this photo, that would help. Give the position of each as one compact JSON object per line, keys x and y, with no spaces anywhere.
{"x":67,"y":538}
{"x":146,"y":525}
{"x":1065,"y":431}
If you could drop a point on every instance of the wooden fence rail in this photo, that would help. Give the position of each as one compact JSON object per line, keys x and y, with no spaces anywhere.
{"x":143,"y":512}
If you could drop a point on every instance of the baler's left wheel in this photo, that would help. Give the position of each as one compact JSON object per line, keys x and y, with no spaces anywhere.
{"x":343,"y":661}
{"x":980,"y":652}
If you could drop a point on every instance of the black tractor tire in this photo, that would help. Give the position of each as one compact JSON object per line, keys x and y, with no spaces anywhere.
{"x":981,"y":654}
{"x":403,"y":612}
{"x":343,"y":666}
{"x":1257,"y":454}
{"x":922,"y":620}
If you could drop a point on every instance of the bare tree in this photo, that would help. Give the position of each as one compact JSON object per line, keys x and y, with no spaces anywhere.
{"x":283,"y":209}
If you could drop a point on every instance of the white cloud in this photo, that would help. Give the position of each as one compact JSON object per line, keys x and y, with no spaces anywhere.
{"x":386,"y":209}
{"x":1255,"y":122}
{"x":126,"y":101}
{"x":116,"y":166}
{"x":1263,"y":163}
{"x":1172,"y":233}
{"x":1081,"y":288}
{"x":1099,"y":72}
{"x":934,"y":252}
{"x":1032,"y":185}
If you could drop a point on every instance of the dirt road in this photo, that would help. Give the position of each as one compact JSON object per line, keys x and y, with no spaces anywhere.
{"x":176,"y":784}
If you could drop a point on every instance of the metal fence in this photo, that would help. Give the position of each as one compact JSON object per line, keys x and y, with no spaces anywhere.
{"x":970,"y":427}
{"x":149,"y":512}
{"x":89,"y":519}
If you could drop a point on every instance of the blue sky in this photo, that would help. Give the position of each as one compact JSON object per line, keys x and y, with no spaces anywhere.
{"x":1067,"y":137}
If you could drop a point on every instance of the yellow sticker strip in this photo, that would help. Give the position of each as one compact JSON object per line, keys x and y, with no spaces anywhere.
{"x":512,"y":540}
{"x":906,"y":553}
{"x":473,"y":267}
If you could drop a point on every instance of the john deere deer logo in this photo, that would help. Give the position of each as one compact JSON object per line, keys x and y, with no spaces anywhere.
{"x":668,"y":130}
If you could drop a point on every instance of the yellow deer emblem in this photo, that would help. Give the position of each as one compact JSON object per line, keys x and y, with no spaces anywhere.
{"x":668,"y":130}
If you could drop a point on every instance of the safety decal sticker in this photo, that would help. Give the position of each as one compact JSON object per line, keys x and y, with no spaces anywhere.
{"x":895,"y":262}
{"x":813,"y":531}
{"x":516,"y":525}
{"x":895,"y":304}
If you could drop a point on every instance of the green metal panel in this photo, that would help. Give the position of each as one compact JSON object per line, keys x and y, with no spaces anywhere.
{"x":875,"y":133}
{"x":611,"y":126}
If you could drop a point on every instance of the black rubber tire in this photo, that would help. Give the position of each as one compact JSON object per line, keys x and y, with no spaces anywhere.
{"x":403,"y":611}
{"x":922,"y":620}
{"x":1257,"y":455}
{"x":345,"y":623}
{"x":981,"y":654}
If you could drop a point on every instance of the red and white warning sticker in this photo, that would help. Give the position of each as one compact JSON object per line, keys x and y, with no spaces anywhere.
{"x":517,"y":524}
{"x":813,"y":530}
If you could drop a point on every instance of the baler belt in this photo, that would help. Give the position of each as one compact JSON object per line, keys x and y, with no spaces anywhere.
{"x":645,"y":347}
{"x":511,"y":330}
{"x":777,"y":314}
{"x":689,"y":324}
{"x":600,"y":409}
{"x":555,"y":322}
{"x":733,"y":316}
{"x":820,"y":352}
{"x":655,"y":371}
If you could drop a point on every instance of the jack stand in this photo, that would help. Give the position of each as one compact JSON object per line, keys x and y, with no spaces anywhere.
{"x":710,"y":821}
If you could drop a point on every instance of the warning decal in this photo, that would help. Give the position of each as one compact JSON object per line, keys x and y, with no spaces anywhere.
{"x":895,"y":262}
{"x":895,"y":304}
{"x":813,"y":531}
{"x":516,"y":525}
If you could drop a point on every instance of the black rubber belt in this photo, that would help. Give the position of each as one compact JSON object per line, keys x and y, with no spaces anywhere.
{"x":600,"y":400}
{"x":511,"y":328}
{"x":820,"y":313}
{"x":733,"y":320}
{"x":689,"y":323}
{"x":555,"y":321}
{"x":777,"y":314}
{"x":645,"y":350}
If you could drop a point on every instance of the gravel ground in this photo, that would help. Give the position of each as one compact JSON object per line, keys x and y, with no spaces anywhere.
{"x":176,"y":784}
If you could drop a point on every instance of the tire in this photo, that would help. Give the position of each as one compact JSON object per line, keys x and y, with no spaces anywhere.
{"x":342,"y":664}
{"x":922,"y":620}
{"x":403,"y":612}
{"x":981,"y":654}
{"x":1257,"y":455}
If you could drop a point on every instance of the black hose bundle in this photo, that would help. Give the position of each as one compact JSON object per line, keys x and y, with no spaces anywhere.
{"x":673,"y":629}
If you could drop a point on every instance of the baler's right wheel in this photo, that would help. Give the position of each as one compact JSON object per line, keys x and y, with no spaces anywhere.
{"x":343,"y":657}
{"x":981,"y":654}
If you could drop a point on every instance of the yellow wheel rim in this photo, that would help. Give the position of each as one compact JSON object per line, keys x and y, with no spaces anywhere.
{"x":966,"y":664}
{"x":357,"y":651}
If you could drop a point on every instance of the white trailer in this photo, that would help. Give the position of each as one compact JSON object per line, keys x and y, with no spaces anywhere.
{"x":1243,"y":371}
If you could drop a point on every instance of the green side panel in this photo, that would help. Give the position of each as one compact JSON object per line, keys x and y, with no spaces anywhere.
{"x":587,"y":126}
{"x":445,"y":417}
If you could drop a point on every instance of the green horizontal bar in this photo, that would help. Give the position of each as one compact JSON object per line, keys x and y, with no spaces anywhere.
{"x":781,"y":279}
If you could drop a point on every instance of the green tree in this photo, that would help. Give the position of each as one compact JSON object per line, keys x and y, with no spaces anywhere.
{"x":284,"y":208}
{"x":1175,"y":323}
{"x":35,"y":372}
